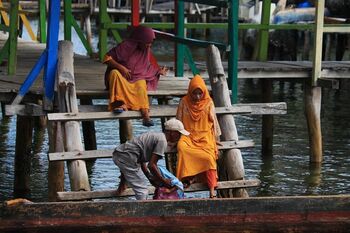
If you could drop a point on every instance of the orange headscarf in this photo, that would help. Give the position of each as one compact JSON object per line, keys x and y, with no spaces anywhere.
{"x":196,"y":108}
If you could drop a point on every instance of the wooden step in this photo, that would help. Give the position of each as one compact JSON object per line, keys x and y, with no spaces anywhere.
{"x":99,"y":154}
{"x":84,"y":195}
{"x":88,"y":113}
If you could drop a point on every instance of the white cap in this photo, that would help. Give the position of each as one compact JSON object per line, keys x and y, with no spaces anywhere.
{"x":176,"y":125}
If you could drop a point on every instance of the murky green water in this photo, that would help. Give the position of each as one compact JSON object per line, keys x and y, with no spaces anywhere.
{"x":286,"y":173}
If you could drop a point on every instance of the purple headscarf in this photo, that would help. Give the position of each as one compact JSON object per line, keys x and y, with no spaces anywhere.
{"x":136,"y":59}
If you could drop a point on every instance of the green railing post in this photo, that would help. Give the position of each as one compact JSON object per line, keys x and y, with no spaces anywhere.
{"x":264,"y":33}
{"x":233,"y":47}
{"x":180,"y":32}
{"x":13,"y":33}
{"x":103,"y":16}
{"x":42,"y":21}
{"x":68,"y":20}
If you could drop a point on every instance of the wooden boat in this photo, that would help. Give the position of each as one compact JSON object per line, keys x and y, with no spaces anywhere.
{"x":257,"y":214}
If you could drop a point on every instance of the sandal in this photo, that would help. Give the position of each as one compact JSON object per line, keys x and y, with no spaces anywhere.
{"x":212,"y":196}
{"x":147,"y":123}
{"x":118,"y":110}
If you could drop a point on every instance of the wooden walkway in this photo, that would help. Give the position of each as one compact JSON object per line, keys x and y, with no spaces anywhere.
{"x":89,"y":73}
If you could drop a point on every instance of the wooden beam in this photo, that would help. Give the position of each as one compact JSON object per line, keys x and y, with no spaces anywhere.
{"x":251,"y":108}
{"x":328,"y":83}
{"x":163,"y":111}
{"x":24,"y":110}
{"x":83,"y":195}
{"x":100,"y":154}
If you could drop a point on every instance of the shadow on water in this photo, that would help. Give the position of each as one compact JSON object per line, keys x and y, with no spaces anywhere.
{"x":266,"y":176}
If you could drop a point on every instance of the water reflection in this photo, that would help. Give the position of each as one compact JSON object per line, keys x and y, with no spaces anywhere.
{"x":314,"y":179}
{"x":266,"y":176}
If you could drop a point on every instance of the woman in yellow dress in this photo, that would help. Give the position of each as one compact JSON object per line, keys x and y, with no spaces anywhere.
{"x":131,"y":71}
{"x":197,"y":152}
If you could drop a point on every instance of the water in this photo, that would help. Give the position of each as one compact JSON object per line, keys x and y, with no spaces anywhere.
{"x":287,"y":172}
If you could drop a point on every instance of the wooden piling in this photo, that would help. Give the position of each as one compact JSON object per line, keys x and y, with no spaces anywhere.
{"x":231,"y":162}
{"x":267,"y":122}
{"x":40,"y":122}
{"x":313,"y":116}
{"x":125,"y":130}
{"x":24,"y":136}
{"x":56,"y":169}
{"x":3,"y":110}
{"x":68,"y":103}
{"x":89,"y":132}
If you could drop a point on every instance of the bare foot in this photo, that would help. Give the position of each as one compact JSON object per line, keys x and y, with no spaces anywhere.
{"x":121,"y":189}
{"x":187,"y":183}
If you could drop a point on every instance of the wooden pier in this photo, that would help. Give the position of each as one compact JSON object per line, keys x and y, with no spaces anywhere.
{"x":89,"y":73}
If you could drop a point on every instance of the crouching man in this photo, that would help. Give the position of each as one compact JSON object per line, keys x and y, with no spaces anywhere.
{"x":138,"y":158}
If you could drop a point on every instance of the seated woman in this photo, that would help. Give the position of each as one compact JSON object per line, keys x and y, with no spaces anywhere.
{"x":131,"y":71}
{"x":197,"y":152}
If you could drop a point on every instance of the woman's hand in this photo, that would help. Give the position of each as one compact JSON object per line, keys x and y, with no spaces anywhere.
{"x":125,"y":72}
{"x":163,"y":70}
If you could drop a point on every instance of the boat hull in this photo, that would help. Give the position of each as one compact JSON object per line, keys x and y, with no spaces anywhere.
{"x":271,"y":214}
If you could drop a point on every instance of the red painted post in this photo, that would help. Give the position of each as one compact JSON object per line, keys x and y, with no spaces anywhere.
{"x":135,"y":12}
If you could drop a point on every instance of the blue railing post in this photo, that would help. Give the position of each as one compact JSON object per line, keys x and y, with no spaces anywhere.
{"x":52,"y":51}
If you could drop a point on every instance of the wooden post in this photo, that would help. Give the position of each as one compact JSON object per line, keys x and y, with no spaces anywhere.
{"x":313,"y":117}
{"x":13,"y":33}
{"x":40,"y":121}
{"x":56,"y":169}
{"x":267,"y":125}
{"x":88,"y":30}
{"x":3,"y":110}
{"x":267,"y":122}
{"x":89,"y":132}
{"x":179,"y":9}
{"x":24,"y":136}
{"x":67,"y":101}
{"x":42,"y":21}
{"x":125,"y":130}
{"x":103,"y":33}
{"x":232,"y":164}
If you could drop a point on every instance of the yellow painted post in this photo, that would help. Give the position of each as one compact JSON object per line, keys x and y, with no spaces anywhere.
{"x":4,"y":15}
{"x":27,"y":25}
{"x":23,"y":18}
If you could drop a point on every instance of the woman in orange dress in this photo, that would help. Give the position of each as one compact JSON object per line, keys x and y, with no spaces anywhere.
{"x":197,"y":152}
{"x":131,"y":71}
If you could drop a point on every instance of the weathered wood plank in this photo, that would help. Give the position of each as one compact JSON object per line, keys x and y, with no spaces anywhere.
{"x":163,"y":111}
{"x":84,"y":195}
{"x":90,"y":112}
{"x":94,"y":154}
{"x":24,"y":110}
{"x":255,"y":109}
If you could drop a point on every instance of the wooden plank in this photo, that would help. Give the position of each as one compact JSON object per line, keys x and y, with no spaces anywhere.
{"x":36,"y":110}
{"x":89,"y":112}
{"x":100,"y":154}
{"x":84,"y":195}
{"x":24,"y":110}
{"x":163,"y":111}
